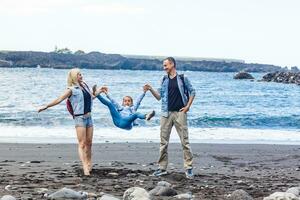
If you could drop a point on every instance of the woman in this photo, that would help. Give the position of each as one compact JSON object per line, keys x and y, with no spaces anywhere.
{"x":81,"y":100}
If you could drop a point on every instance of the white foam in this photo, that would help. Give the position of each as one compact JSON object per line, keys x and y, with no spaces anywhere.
{"x":149,"y":134}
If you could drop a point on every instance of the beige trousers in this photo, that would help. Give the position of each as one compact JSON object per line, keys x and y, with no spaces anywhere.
{"x":179,"y":120}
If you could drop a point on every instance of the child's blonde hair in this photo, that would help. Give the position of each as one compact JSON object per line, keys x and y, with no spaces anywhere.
{"x":129,"y":98}
{"x":72,"y":77}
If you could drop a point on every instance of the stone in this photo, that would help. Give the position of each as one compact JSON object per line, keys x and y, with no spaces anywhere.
{"x":243,"y":75}
{"x":136,"y":193}
{"x":163,"y":191}
{"x":240,"y":195}
{"x":8,"y":188}
{"x":113,"y":174}
{"x":66,"y":193}
{"x":294,"y":190}
{"x":8,"y":197}
{"x":41,"y":190}
{"x":108,"y":197}
{"x":282,"y":196}
{"x":164,"y":184}
{"x":188,"y":196}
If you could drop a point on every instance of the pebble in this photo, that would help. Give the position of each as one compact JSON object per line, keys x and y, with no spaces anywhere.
{"x":8,"y":188}
{"x":117,"y":187}
{"x":41,"y":190}
{"x":113,"y":174}
{"x":108,"y":197}
{"x":188,"y":196}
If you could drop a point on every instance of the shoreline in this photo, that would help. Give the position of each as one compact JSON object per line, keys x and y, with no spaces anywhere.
{"x":219,"y":168}
{"x":67,"y":135}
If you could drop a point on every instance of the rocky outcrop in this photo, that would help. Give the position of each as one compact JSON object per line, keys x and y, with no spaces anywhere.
{"x":97,"y":60}
{"x":282,"y":77}
{"x":243,"y":75}
{"x":4,"y":63}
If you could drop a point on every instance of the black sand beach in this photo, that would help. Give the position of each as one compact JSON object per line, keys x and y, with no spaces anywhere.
{"x":219,"y":169}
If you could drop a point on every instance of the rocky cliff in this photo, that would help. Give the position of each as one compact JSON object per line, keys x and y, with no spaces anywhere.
{"x":97,"y":60}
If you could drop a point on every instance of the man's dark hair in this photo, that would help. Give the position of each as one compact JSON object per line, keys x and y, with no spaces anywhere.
{"x":172,"y":60}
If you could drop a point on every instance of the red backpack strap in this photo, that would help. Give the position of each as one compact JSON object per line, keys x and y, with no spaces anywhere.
{"x":70,"y":108}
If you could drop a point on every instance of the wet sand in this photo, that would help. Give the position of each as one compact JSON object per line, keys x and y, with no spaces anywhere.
{"x":219,"y":169}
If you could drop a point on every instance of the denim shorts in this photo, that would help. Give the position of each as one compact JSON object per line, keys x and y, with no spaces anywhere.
{"x":83,"y":121}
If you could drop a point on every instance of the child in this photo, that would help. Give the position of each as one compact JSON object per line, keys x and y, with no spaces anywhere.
{"x":125,"y":115}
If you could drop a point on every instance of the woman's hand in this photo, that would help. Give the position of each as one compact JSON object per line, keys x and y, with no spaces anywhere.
{"x":42,"y":109}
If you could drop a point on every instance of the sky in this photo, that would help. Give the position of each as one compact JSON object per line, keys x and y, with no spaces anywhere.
{"x":257,"y":31}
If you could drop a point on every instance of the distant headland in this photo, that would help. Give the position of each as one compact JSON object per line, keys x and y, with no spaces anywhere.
{"x":65,"y":59}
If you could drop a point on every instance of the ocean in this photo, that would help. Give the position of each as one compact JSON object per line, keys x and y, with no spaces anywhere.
{"x":224,"y":111}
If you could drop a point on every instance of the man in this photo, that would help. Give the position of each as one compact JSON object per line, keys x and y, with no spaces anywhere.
{"x":177,"y":95}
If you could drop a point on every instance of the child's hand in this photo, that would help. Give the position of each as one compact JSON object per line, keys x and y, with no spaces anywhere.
{"x":145,"y":88}
{"x":104,"y":89}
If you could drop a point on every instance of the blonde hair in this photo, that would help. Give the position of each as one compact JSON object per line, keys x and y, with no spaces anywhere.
{"x":72,"y":77}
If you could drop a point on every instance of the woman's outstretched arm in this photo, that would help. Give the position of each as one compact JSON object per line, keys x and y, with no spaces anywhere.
{"x":65,"y":95}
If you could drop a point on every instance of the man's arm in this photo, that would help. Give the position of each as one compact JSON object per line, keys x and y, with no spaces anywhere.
{"x":153,"y":92}
{"x":188,"y":105}
{"x":192,"y":93}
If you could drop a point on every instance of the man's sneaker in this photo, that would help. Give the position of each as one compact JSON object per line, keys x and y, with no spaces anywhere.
{"x":160,"y":172}
{"x":189,"y":174}
{"x":150,"y":115}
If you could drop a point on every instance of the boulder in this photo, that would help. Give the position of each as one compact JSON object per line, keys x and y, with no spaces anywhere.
{"x":8,"y":197}
{"x":240,"y":195}
{"x":163,"y":188}
{"x":136,"y":193}
{"x":282,"y":196}
{"x":163,"y":191}
{"x":294,"y":190}
{"x":66,"y":193}
{"x":243,"y":75}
